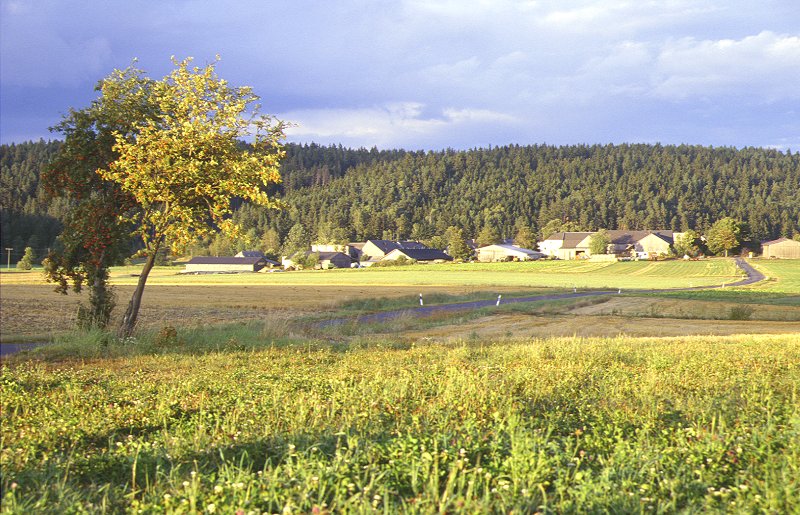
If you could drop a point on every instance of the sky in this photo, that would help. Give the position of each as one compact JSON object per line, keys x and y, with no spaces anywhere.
{"x":434,"y":74}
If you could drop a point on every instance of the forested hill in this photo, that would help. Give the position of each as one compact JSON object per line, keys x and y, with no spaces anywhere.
{"x":340,"y":193}
{"x":615,"y":186}
{"x":27,"y":220}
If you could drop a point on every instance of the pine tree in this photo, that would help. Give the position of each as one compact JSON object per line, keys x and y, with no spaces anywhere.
{"x":26,"y":263}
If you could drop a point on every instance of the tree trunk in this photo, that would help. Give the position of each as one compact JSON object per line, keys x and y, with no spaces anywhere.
{"x":101,"y":299}
{"x":131,"y":314}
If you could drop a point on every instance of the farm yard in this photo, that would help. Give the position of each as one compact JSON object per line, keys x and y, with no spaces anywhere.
{"x":233,"y":397}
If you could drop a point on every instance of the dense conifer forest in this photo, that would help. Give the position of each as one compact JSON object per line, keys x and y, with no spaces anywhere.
{"x":334,"y":193}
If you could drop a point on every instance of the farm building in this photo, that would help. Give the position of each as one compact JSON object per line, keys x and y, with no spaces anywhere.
{"x":325,"y":260}
{"x":377,"y":249}
{"x":781,"y":248}
{"x":566,"y":245}
{"x":419,"y":255}
{"x":251,"y":254}
{"x":506,"y":252}
{"x":573,"y":245}
{"x":644,"y":243}
{"x":210,"y":264}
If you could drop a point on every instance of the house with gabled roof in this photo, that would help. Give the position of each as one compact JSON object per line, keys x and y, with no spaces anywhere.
{"x":644,"y":244}
{"x":325,"y":260}
{"x":375,"y":250}
{"x":566,"y":245}
{"x":418,"y":255}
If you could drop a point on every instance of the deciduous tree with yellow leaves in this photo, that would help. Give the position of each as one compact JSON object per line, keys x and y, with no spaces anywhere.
{"x":186,"y":161}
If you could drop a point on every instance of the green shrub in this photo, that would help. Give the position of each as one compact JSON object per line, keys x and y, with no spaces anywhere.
{"x":742,"y":312}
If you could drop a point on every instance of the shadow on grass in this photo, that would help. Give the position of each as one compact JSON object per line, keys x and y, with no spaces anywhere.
{"x":275,"y":331}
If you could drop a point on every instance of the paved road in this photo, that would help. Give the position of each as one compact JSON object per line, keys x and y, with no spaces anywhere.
{"x":753,"y":276}
{"x":11,"y":348}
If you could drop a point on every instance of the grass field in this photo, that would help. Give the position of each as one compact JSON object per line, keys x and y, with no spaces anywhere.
{"x":784,"y":275}
{"x":557,"y":425}
{"x":31,"y":311}
{"x":551,"y":274}
{"x":250,"y":406}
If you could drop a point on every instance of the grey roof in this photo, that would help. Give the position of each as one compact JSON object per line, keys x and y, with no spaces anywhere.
{"x":514,"y":248}
{"x":570,"y":239}
{"x":250,"y":253}
{"x":226,"y":260}
{"x":387,"y":246}
{"x":412,"y":245}
{"x":327,"y":256}
{"x":618,"y":237}
{"x":779,"y":240}
{"x":425,"y":254}
{"x":622,"y":237}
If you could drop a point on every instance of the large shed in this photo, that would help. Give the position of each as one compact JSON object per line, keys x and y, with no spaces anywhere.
{"x":505,"y":252}
{"x":419,"y":255}
{"x":209,"y":264}
{"x":781,"y":248}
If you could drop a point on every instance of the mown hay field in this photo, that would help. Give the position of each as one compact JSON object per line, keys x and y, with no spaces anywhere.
{"x":622,"y":425}
{"x":550,"y":274}
{"x":783,"y":275}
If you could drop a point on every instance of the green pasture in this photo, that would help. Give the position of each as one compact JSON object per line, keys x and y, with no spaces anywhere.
{"x":781,"y":286}
{"x":619,"y":425}
{"x":533,"y":274}
{"x":783,"y":275}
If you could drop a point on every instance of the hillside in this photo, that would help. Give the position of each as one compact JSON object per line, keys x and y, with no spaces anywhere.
{"x":336,"y":192}
{"x":629,"y":186}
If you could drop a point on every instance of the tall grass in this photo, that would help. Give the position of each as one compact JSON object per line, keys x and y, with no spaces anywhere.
{"x":556,"y":425}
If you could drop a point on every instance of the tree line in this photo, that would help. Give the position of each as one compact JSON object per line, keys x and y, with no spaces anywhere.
{"x":333,"y":194}
{"x":534,"y":189}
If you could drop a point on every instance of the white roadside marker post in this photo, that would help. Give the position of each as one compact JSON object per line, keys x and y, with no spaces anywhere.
{"x":498,"y":300}
{"x":420,"y":300}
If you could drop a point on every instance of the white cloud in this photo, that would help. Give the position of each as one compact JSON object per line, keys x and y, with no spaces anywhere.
{"x":386,"y":125}
{"x":765,"y":66}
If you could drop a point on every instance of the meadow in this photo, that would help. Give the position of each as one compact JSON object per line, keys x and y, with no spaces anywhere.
{"x":234,"y":399}
{"x":536,"y":274}
{"x":550,"y":425}
{"x":31,"y":311}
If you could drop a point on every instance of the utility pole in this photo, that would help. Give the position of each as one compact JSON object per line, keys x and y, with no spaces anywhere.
{"x":8,"y":249}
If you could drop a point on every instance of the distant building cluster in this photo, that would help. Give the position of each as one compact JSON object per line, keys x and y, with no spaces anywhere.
{"x":620,"y":244}
{"x":628,"y":244}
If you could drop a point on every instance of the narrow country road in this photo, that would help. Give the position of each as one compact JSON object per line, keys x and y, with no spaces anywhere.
{"x":753,"y":276}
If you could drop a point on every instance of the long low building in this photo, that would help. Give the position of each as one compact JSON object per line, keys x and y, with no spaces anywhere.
{"x":226,"y":264}
{"x":419,"y":255}
{"x":781,"y":248}
{"x":642,"y":244}
{"x":504,"y":252}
